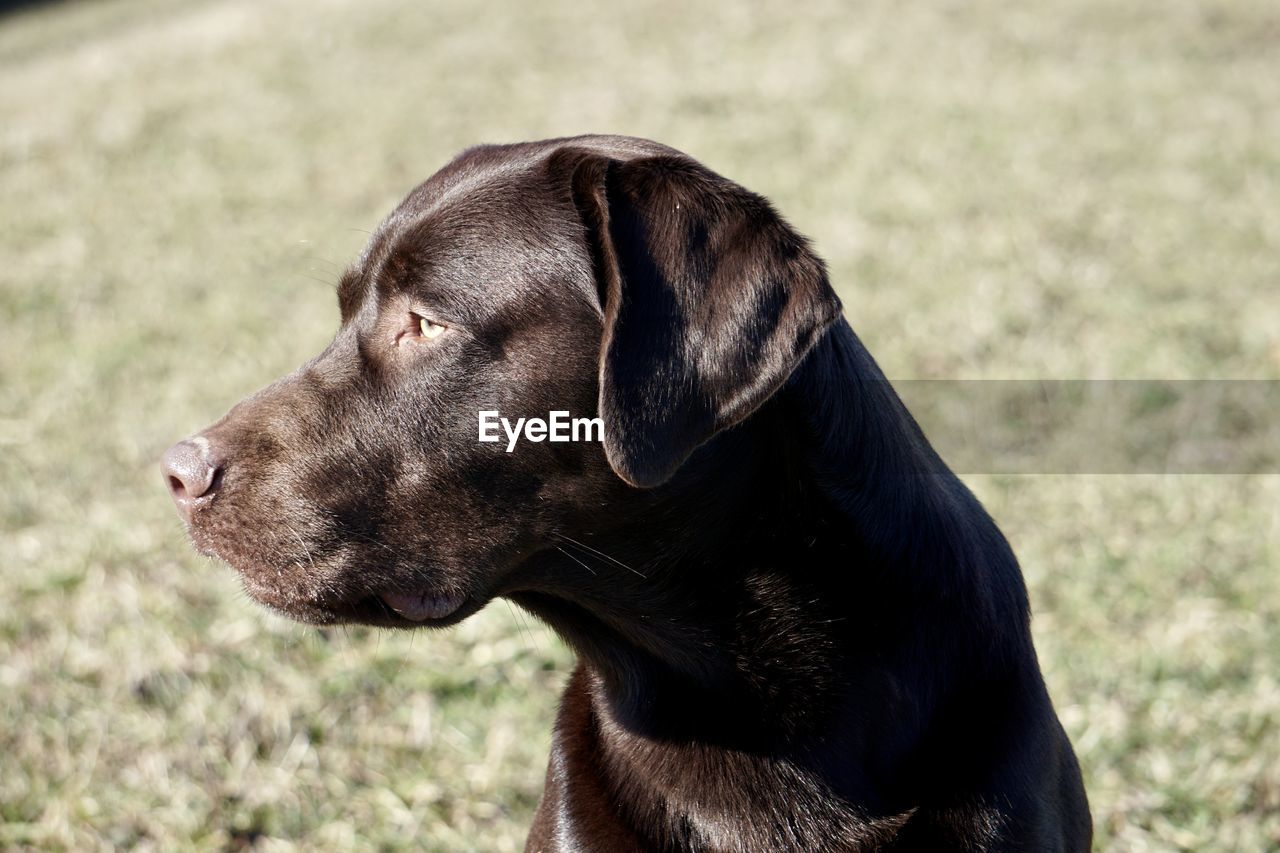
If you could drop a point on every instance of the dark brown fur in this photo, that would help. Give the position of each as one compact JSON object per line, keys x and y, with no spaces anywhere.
{"x":796,"y":629}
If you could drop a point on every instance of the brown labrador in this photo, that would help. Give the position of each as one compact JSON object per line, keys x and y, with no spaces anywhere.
{"x":796,"y":628}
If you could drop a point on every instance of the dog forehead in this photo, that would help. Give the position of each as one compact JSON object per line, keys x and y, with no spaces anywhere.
{"x":500,"y":230}
{"x":493,"y":209}
{"x":521,"y":165}
{"x":458,"y":205}
{"x":493,"y":190}
{"x":490,"y":173}
{"x":477,"y":225}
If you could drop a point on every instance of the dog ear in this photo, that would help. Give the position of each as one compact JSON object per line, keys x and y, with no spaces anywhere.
{"x":709,"y":299}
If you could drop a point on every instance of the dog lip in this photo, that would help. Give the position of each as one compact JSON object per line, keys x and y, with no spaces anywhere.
{"x":423,"y":606}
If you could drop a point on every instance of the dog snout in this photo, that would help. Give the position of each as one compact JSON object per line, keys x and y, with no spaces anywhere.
{"x":192,"y":469}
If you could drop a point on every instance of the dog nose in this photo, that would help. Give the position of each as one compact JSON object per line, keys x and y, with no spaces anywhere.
{"x":191,"y":472}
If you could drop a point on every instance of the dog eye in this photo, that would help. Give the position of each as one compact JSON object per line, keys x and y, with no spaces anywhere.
{"x":422,"y":329}
{"x":429,"y":329}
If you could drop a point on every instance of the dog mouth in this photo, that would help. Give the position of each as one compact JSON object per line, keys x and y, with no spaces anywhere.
{"x":391,"y":609}
{"x":383,"y":610}
{"x":424,"y":606}
{"x":395,"y":608}
{"x":386,"y":610}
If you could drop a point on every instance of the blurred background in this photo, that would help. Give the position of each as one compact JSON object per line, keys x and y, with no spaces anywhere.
{"x":1073,"y":189}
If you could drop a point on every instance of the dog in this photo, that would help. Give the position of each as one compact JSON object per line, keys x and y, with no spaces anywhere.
{"x":796,"y":629}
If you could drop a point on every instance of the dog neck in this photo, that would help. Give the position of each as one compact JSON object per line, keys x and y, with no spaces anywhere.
{"x":819,"y":543}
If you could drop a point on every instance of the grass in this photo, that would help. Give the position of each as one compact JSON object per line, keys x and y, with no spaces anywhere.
{"x":1052,"y":189}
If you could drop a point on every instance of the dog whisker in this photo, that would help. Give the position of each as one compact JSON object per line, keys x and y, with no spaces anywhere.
{"x":575,"y":559}
{"x":600,"y":554}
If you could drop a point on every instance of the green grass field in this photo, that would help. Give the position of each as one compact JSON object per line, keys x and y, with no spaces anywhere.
{"x":1048,"y":189}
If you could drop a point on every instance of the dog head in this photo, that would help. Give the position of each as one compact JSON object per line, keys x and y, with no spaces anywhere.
{"x":603,"y":276}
